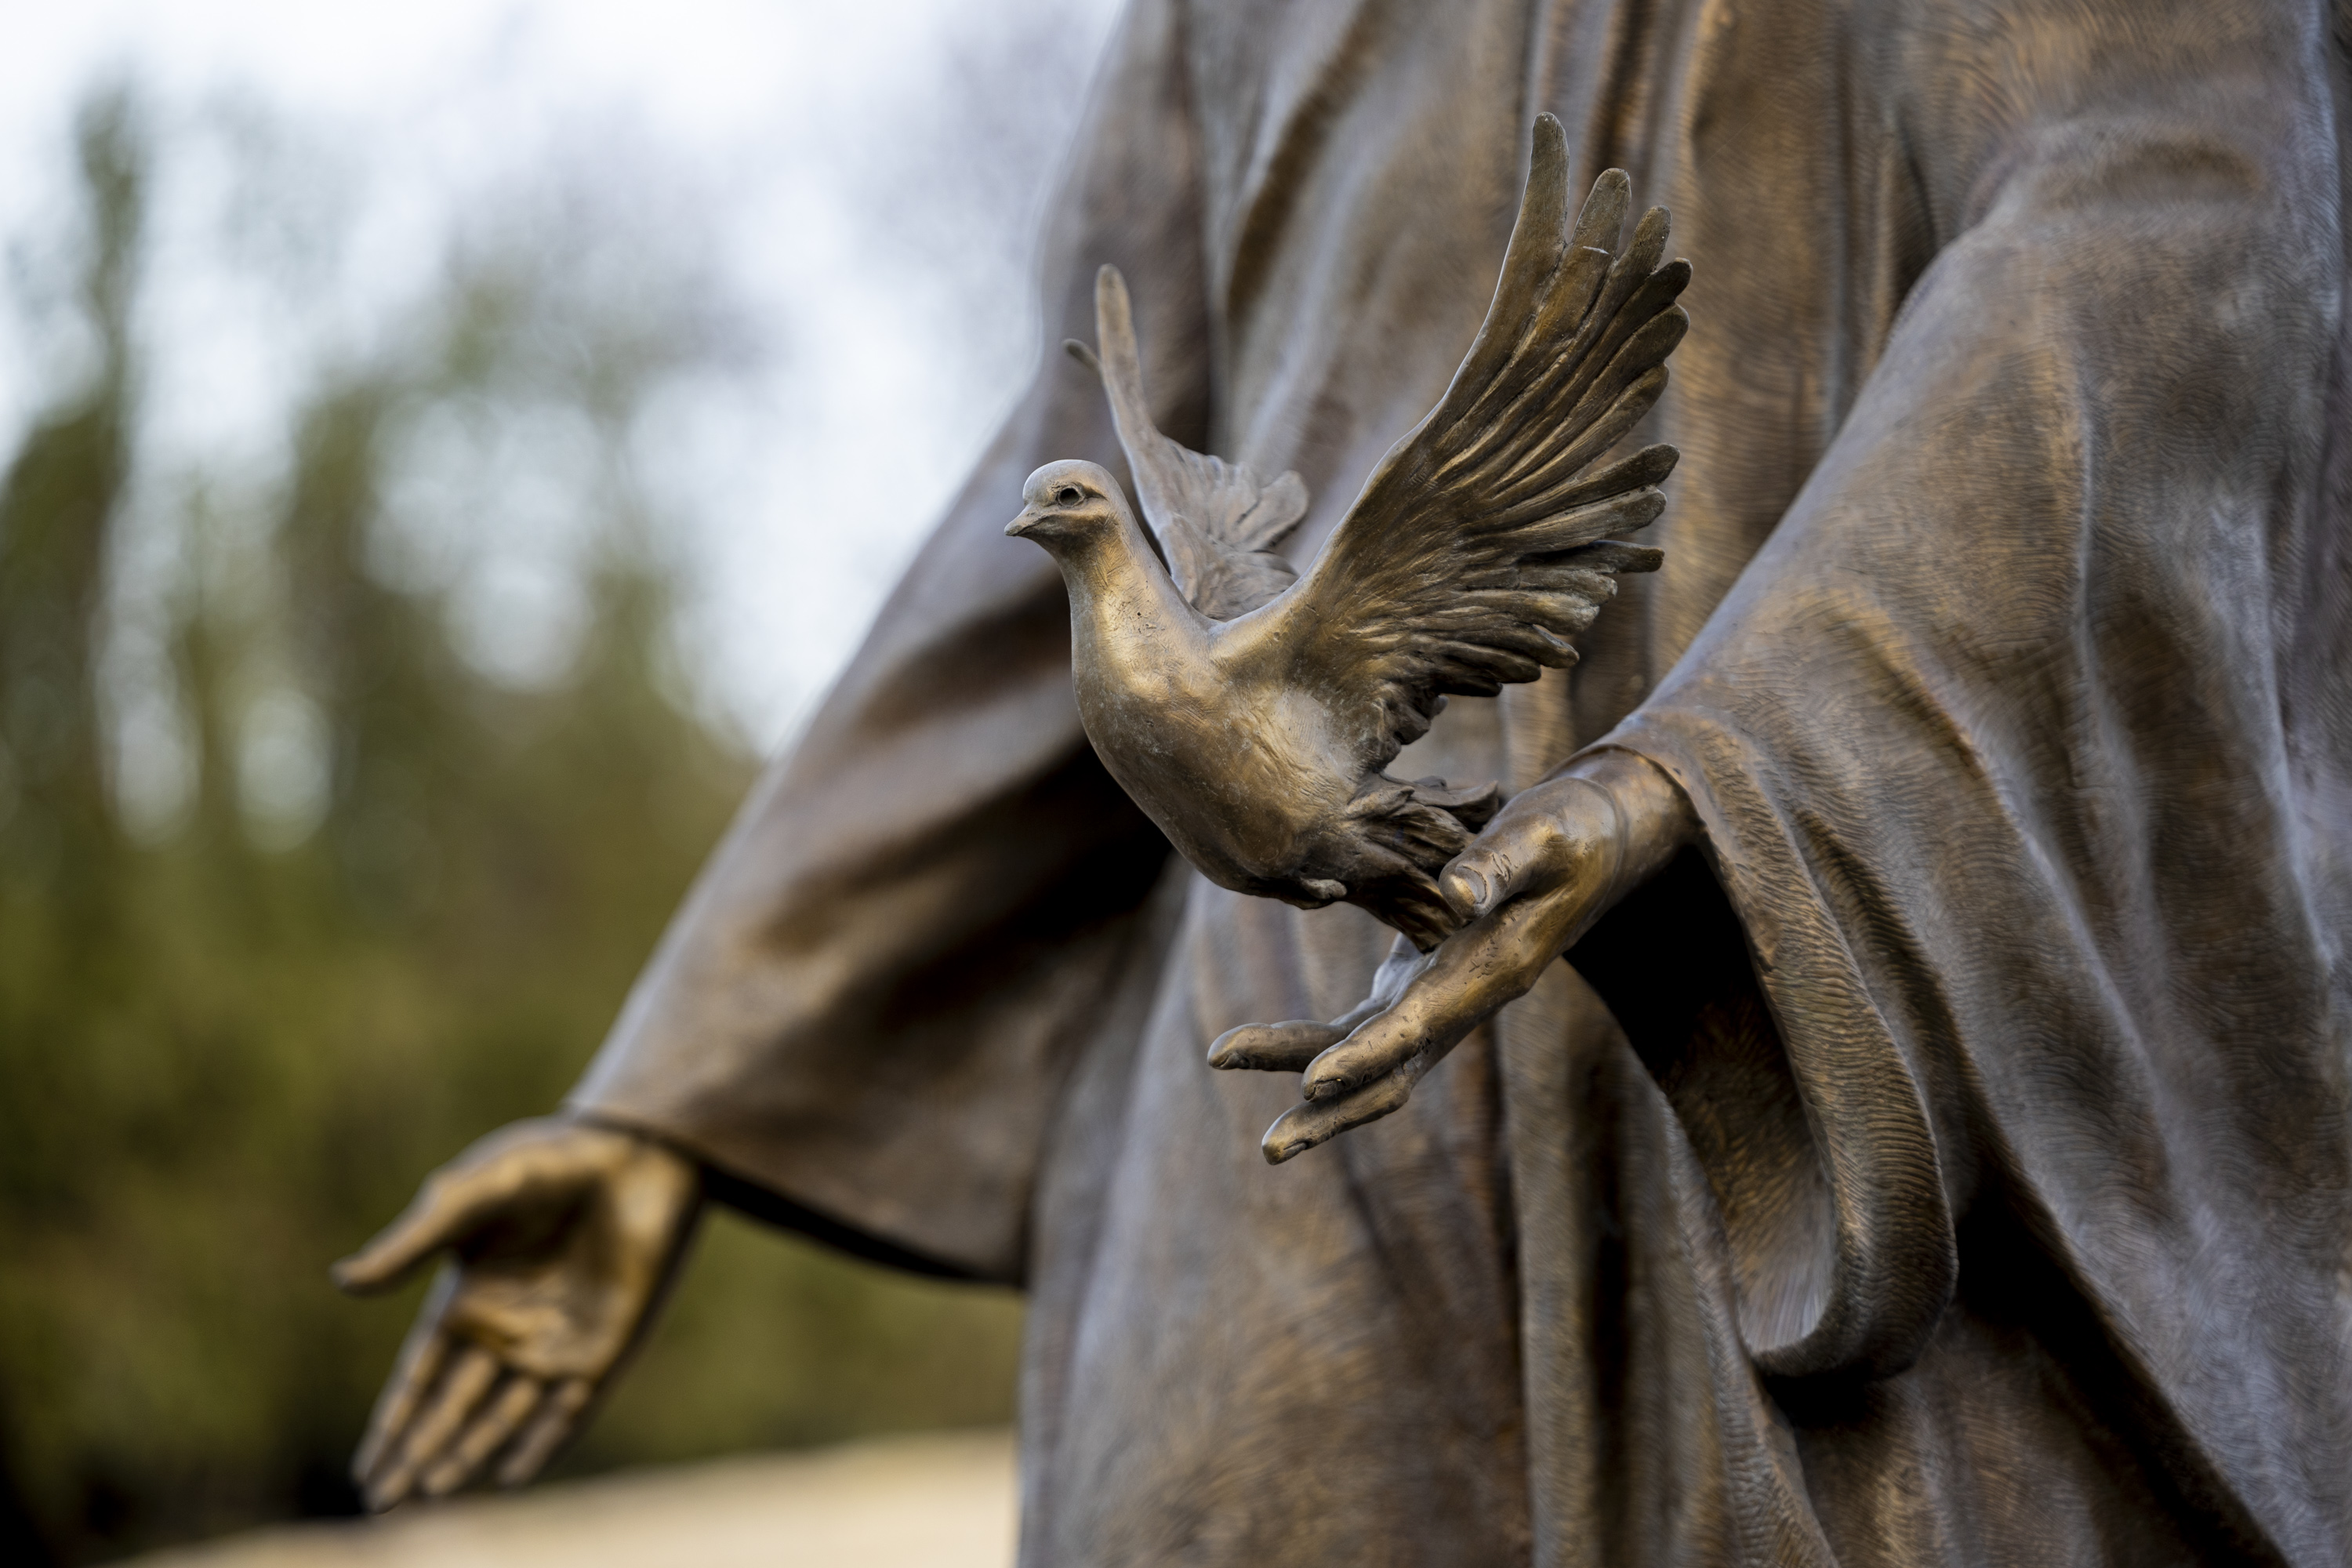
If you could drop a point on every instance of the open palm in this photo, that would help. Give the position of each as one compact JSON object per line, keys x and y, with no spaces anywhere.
{"x":563,"y":1234}
{"x":1553,"y":861}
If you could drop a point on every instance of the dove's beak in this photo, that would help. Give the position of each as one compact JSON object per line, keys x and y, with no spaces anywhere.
{"x":1020,"y":526}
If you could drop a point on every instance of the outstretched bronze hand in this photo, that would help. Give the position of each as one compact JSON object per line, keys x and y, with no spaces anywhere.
{"x":1553,"y":861}
{"x":564,"y":1233}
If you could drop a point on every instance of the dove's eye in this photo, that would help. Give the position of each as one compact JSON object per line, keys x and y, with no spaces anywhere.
{"x":1068,"y":495}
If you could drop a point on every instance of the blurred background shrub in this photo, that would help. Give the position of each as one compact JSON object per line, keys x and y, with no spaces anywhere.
{"x":308,"y":877}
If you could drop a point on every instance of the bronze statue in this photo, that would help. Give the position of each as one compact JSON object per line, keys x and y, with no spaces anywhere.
{"x":1938,"y":1146}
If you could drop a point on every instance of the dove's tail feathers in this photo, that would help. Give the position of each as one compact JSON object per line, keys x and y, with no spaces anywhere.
{"x":1425,"y":834}
{"x":1417,"y":823}
{"x":1473,"y":806}
{"x":1221,"y":582}
{"x":1402,"y":835}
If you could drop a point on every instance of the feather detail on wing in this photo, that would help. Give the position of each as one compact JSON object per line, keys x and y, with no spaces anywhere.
{"x":1220,"y":581}
{"x":1482,"y":543}
{"x":1217,"y":523}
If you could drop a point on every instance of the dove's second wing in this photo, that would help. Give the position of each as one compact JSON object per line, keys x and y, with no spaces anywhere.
{"x":1217,"y":524}
{"x":1482,"y":541}
{"x":1220,"y":581}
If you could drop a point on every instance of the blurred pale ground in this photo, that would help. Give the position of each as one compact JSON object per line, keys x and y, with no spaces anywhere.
{"x":935,"y":1501}
{"x":437,"y":455}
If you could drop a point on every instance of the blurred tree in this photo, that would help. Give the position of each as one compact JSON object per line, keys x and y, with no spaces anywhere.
{"x":228,"y":1048}
{"x":58,"y":848}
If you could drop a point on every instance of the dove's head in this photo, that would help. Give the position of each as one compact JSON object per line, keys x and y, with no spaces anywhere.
{"x":1069,"y":505}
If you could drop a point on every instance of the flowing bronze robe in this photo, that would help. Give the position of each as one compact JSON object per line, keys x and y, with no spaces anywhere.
{"x":1959,"y":1169}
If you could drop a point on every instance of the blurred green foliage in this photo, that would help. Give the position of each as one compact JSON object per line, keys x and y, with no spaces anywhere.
{"x":230,"y":1043}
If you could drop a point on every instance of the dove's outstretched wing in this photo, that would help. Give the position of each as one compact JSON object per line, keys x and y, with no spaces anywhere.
{"x":1481,"y":542}
{"x":1217,"y":523}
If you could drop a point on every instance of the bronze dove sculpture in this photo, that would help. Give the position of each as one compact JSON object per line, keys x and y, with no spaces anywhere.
{"x":1251,"y":713}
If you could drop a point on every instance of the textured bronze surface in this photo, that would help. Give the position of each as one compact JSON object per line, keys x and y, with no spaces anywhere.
{"x":1937,"y":1148}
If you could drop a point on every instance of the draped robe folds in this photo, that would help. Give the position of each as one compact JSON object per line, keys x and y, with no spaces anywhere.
{"x":1949,"y":1164}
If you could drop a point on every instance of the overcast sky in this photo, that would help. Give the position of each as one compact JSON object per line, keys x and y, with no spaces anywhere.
{"x":796,"y":129}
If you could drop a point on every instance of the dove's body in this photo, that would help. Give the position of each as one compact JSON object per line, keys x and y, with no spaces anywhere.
{"x":1249,"y":711}
{"x":1196,"y":719}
